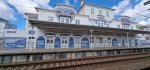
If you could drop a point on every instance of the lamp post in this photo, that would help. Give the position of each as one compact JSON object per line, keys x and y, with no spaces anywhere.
{"x":91,"y":38}
{"x":128,"y":39}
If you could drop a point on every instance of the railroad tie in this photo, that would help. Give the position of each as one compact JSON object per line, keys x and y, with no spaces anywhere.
{"x":23,"y":68}
{"x":68,"y":63}
{"x":45,"y":66}
{"x":1,"y":68}
{"x":87,"y":61}
{"x":78,"y":62}
{"x":31,"y":67}
{"x":83,"y":62}
{"x":51,"y":65}
{"x":73,"y":63}
{"x":15,"y":68}
{"x":38,"y":66}
{"x":8,"y":68}
{"x":63,"y":64}
{"x":57,"y":64}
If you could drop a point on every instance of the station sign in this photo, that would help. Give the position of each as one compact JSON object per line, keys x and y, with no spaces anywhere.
{"x":31,"y":32}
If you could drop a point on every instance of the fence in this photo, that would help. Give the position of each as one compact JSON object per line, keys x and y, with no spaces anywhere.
{"x":33,"y":45}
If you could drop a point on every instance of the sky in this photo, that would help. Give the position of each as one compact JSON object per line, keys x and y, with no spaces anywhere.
{"x":13,"y":10}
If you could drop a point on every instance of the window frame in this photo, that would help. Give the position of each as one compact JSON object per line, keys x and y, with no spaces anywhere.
{"x":107,"y":14}
{"x":50,"y":18}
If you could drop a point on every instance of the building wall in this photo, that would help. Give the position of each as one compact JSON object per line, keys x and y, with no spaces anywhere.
{"x":96,"y":12}
{"x":82,"y":11}
{"x":44,"y":14}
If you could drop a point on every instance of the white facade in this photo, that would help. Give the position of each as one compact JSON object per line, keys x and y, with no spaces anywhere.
{"x":90,"y":15}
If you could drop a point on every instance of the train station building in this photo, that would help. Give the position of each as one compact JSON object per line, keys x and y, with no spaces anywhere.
{"x":64,"y":27}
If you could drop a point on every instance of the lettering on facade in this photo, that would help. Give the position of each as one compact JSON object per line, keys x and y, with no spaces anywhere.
{"x":11,"y":31}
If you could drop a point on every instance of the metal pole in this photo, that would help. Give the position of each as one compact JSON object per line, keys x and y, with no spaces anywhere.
{"x":32,"y":39}
{"x":91,"y":38}
{"x":128,"y":39}
{"x":3,"y":43}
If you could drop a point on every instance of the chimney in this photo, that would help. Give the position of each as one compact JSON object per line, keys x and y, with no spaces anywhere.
{"x":82,"y":1}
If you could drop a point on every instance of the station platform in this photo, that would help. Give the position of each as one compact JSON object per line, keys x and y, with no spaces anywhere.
{"x":55,"y":50}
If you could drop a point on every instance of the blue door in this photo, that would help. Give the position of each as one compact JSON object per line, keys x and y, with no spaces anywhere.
{"x":136,"y":42}
{"x":130,"y":42}
{"x":114,"y":42}
{"x":57,"y":42}
{"x":85,"y":42}
{"x":123,"y":42}
{"x":71,"y":43}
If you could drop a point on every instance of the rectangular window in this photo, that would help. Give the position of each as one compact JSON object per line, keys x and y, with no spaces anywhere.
{"x":50,"y":18}
{"x":118,"y":26}
{"x":50,"y":39}
{"x":77,"y":21}
{"x":107,"y":14}
{"x":131,"y":27}
{"x":77,"y":39}
{"x":92,"y":23}
{"x":64,"y":39}
{"x":92,"y":39}
{"x":92,"y":11}
{"x":67,"y":20}
{"x":127,"y":27}
{"x":101,"y":40}
{"x":100,"y":12}
{"x":107,"y":24}
{"x":62,"y":20}
{"x":101,"y":24}
{"x":109,"y":40}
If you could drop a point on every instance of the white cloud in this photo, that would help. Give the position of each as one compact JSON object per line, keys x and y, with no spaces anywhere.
{"x":27,"y":6}
{"x":22,"y":6}
{"x":126,"y":8}
{"x":121,"y":6}
{"x":6,"y":12}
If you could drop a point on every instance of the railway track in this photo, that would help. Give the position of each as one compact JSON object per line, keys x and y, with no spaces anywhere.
{"x":80,"y":63}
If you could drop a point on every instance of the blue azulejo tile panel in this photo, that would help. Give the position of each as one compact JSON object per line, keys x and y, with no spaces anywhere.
{"x":40,"y":42}
{"x":14,"y":42}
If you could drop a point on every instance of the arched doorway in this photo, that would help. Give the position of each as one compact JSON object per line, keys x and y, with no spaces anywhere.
{"x":71,"y":43}
{"x":136,"y":42}
{"x":57,"y":42}
{"x":130,"y":42}
{"x":123,"y":42}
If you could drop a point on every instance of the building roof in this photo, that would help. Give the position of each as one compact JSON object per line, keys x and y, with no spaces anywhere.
{"x":44,"y":9}
{"x":124,"y":16}
{"x":1,"y":19}
{"x":64,"y":5}
{"x":95,"y":6}
{"x":84,"y":28}
{"x":31,"y":13}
